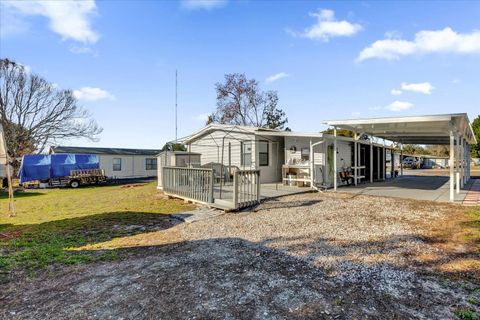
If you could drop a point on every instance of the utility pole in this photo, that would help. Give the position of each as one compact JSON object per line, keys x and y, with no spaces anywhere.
{"x":176,"y":105}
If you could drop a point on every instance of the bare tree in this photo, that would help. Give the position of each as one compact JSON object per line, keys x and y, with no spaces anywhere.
{"x":241,"y":102}
{"x":34,"y":113}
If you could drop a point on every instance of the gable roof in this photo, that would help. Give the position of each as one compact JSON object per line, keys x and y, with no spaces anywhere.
{"x":114,"y":151}
{"x":227,"y":128}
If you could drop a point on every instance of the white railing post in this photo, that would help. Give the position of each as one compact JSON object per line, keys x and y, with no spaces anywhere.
{"x":235,"y":189}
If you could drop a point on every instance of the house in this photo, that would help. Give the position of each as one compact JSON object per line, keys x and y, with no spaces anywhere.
{"x":293,"y":158}
{"x":119,"y":163}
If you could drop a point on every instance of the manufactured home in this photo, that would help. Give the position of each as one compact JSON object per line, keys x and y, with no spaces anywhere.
{"x":119,"y":163}
{"x":289,"y":158}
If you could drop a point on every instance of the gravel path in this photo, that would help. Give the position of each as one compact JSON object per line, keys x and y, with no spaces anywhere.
{"x":318,"y":256}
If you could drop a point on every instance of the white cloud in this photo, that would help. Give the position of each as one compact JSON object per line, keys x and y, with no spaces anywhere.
{"x":396,"y":92}
{"x":70,"y":19}
{"x":355,"y":114}
{"x":92,"y":94}
{"x":276,"y":77}
{"x":203,"y":4}
{"x":399,"y":106}
{"x":426,"y":41}
{"x":423,"y":87}
{"x":328,"y":27}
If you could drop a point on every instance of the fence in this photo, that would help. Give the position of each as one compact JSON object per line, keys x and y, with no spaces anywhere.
{"x":246,"y":184}
{"x":190,"y":183}
{"x":198,"y":184}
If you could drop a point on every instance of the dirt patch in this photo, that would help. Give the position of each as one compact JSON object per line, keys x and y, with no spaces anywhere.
{"x":318,"y":256}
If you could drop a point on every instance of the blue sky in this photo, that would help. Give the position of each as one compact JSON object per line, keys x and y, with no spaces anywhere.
{"x":327,"y":60}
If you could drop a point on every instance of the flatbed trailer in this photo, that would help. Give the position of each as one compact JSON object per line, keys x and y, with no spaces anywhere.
{"x":74,"y":180}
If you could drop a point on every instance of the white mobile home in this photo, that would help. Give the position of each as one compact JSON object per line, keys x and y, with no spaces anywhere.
{"x":285,"y":157}
{"x":120,"y":163}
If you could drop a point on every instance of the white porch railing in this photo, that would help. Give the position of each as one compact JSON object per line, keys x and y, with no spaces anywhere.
{"x":246,"y":184}
{"x":191,"y":183}
{"x":198,"y":185}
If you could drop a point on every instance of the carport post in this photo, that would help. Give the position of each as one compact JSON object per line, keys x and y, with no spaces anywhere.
{"x":462,"y":162}
{"x":401,"y":159}
{"x":335,"y":158}
{"x":355,"y":160}
{"x":452,"y":159}
{"x":371,"y":159}
{"x":457,"y":164}
{"x":384,"y":158}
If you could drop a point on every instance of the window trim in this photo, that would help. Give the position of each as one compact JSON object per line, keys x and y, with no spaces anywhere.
{"x":153,"y":164}
{"x":243,"y":154}
{"x":116,"y":164}
{"x":267,"y":153}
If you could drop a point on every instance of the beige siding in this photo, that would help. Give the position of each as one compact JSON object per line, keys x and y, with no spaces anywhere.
{"x":210,"y":148}
{"x":132,"y":166}
{"x":299,"y":143}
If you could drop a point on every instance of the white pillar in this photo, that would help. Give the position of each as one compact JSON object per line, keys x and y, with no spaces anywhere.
{"x":371,"y":160}
{"x":464,"y":162}
{"x":384,"y":156}
{"x":355,"y":157}
{"x":378,"y":163}
{"x":401,"y":160}
{"x":335,"y":158}
{"x":457,"y":163}
{"x":468,"y":161}
{"x":451,"y":164}
{"x":312,"y":168}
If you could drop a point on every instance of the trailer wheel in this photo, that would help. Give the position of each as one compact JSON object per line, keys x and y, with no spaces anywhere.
{"x":74,"y":184}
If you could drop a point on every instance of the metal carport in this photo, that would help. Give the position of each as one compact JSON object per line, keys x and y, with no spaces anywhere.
{"x":443,"y":129}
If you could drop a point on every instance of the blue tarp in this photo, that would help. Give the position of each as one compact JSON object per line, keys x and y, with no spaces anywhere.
{"x":43,"y":167}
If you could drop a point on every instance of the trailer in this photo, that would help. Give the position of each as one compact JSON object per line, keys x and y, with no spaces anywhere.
{"x":60,"y":170}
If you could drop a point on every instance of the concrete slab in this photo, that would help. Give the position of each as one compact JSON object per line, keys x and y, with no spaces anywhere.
{"x":432,"y":188}
{"x":197,"y":214}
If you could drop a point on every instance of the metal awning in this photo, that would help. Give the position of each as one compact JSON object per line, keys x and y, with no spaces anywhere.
{"x":429,"y":129}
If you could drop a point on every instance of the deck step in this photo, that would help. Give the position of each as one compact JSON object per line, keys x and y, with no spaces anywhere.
{"x":224,"y":204}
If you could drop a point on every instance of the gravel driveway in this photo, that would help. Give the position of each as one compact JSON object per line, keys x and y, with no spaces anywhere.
{"x":319,"y":256}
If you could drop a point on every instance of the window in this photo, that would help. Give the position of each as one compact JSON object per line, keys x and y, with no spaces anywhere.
{"x":263,"y":153}
{"x":151,"y":163}
{"x":117,"y":164}
{"x":246,"y":156}
{"x":305,"y":154}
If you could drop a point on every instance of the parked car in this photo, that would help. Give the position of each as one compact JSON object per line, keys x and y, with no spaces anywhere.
{"x":409,"y":162}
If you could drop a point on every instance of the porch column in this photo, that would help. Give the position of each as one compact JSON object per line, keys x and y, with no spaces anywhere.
{"x":312,"y":168}
{"x":401,"y":159}
{"x":462,"y":162}
{"x":378,"y":163}
{"x":451,"y":164}
{"x":392,"y":160}
{"x":468,"y":161}
{"x":371,"y":160}
{"x":384,"y":159}
{"x":355,"y":160}
{"x":457,"y":163}
{"x":465,"y":157}
{"x":335,"y":158}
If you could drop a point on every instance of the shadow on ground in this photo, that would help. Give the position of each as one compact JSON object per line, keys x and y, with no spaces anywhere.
{"x":222,"y":278}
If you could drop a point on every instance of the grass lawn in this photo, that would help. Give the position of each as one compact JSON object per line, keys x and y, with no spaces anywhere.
{"x":50,"y":222}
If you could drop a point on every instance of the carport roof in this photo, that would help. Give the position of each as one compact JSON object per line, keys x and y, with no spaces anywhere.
{"x":429,"y":129}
